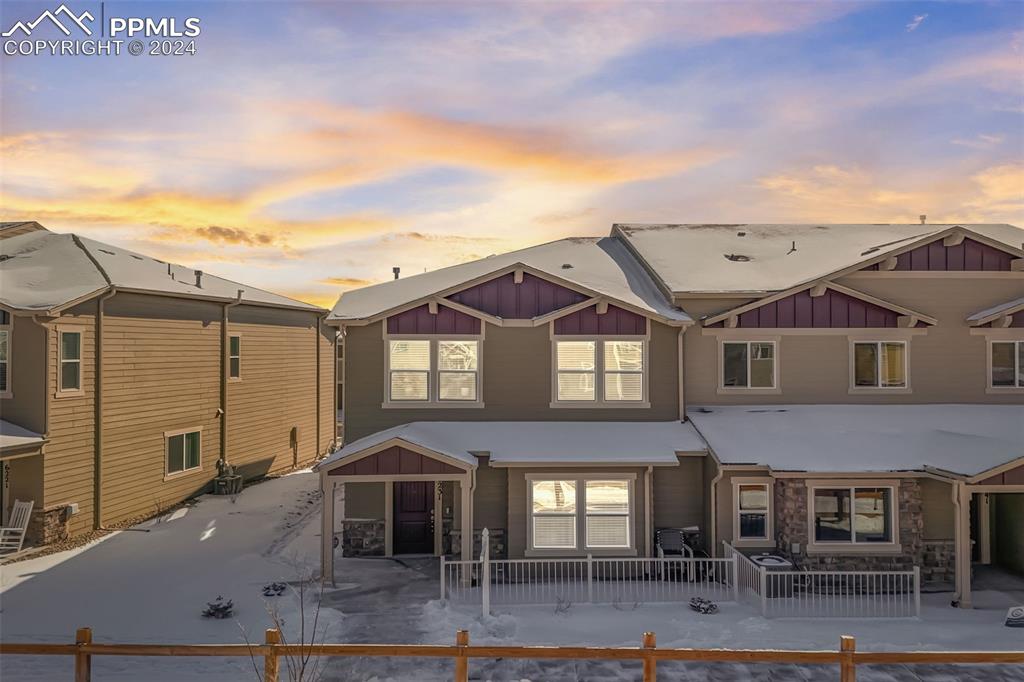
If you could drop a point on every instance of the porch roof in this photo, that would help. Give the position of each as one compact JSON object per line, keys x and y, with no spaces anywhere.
{"x":960,"y":439}
{"x":542,"y":443}
{"x":14,"y":438}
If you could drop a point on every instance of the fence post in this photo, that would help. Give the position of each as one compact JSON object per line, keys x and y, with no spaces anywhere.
{"x":271,"y":664}
{"x":590,"y":578}
{"x":763,"y":577}
{"x":735,"y":578}
{"x":917,"y":591}
{"x":442,"y":577}
{"x":485,"y":571}
{"x":847,"y":668}
{"x":83,"y":661}
{"x":650,"y":641}
{"x":461,"y":661}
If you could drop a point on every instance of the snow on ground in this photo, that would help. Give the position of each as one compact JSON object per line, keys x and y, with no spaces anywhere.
{"x":150,"y":585}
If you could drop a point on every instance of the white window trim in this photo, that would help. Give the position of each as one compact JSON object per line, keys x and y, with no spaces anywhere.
{"x":70,"y":392}
{"x":599,"y":401}
{"x":167,"y":442}
{"x":581,"y":514}
{"x":854,"y":389}
{"x":769,"y":540}
{"x":989,"y":388}
{"x":433,"y":382}
{"x":776,"y":387}
{"x":239,"y":356}
{"x":854,"y":547}
{"x":9,"y":328}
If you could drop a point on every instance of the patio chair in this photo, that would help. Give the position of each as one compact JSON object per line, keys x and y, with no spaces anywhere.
{"x":12,"y":537}
{"x":672,"y":541}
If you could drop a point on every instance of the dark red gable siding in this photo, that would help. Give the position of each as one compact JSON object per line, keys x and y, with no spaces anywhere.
{"x":967,"y":255}
{"x":420,"y":321}
{"x":394,"y":460}
{"x":1016,"y":320}
{"x":832,"y":309}
{"x":616,"y":321}
{"x":504,"y":298}
{"x":1012,"y":477}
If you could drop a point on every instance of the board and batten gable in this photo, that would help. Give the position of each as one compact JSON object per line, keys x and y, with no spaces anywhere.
{"x":516,"y":381}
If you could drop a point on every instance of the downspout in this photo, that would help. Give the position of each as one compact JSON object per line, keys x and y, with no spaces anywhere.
{"x":648,"y":509}
{"x":713,"y":531}
{"x":97,"y":465}
{"x":224,"y":369}
{"x":682,"y":393}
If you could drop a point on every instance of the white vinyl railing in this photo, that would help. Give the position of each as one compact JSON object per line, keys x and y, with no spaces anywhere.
{"x":597,"y":580}
{"x":827,"y":594}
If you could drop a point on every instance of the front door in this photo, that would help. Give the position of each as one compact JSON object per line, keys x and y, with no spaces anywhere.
{"x":413,"y":517}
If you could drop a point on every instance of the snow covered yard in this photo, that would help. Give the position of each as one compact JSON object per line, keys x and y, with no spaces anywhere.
{"x":150,"y":585}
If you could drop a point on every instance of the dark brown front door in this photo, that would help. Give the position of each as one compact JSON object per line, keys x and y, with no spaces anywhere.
{"x":414,"y":507}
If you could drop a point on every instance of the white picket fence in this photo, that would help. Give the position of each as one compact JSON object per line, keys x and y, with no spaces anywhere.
{"x":595,"y":580}
{"x":827,"y":594}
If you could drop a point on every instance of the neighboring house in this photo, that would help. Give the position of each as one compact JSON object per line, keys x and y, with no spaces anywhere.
{"x":845,"y":395}
{"x":124,"y":379}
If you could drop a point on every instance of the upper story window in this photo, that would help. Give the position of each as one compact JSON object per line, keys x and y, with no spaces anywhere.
{"x":600,"y":372}
{"x":853,"y":515}
{"x":70,"y":378}
{"x":748,"y":364}
{"x":880,"y":364}
{"x":1007,"y":362}
{"x":235,"y":357}
{"x":434,"y":371}
{"x":5,"y":352}
{"x":592,"y":512}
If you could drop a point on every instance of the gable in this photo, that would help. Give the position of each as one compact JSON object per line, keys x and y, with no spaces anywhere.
{"x":1013,"y":476}
{"x":532,"y":297}
{"x":968,"y":255}
{"x":831,"y":309}
{"x":615,"y":321}
{"x":394,"y":460}
{"x":420,"y":320}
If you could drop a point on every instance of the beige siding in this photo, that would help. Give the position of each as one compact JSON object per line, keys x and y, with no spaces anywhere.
{"x":947,"y":364}
{"x":516,"y":382}
{"x":27,"y":405}
{"x":364,"y":500}
{"x":937,"y":509}
{"x":68,"y":457}
{"x":679,"y":494}
{"x":490,"y":499}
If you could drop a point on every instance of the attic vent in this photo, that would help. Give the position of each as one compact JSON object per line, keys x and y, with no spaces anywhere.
{"x":5,"y":257}
{"x":567,"y":266}
{"x":108,"y":252}
{"x":737,"y":258}
{"x":741,"y":234}
{"x":137,"y":257}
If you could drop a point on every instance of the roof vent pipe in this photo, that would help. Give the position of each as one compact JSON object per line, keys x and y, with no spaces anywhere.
{"x":199,"y":278}
{"x":397,"y":270}
{"x":923,"y":218}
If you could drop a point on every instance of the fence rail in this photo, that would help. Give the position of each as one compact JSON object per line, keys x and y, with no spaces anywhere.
{"x":846,"y":657}
{"x":827,"y":594}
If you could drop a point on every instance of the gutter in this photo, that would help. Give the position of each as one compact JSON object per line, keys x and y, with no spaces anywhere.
{"x":224,"y":368}
{"x":97,"y":465}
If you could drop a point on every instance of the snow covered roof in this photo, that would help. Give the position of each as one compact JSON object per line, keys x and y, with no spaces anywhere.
{"x":961,"y":439}
{"x":768,"y":258}
{"x":43,"y":270}
{"x":14,"y":437}
{"x":1008,"y":308}
{"x":600,"y":265}
{"x":511,"y":443}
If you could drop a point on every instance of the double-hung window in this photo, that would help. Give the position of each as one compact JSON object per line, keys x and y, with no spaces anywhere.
{"x":880,"y":364}
{"x":434,"y":371}
{"x":575,"y":514}
{"x":235,"y":357}
{"x":1007,"y":364}
{"x":600,"y":371}
{"x":70,"y":378}
{"x":853,"y":515}
{"x":183,"y":451}
{"x":748,"y":364}
{"x":5,"y":352}
{"x":753,"y":511}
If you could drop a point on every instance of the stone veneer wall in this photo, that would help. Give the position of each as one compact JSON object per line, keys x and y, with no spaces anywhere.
{"x":935,"y":557}
{"x":362,"y":537}
{"x":496,"y":541}
{"x":47,"y":525}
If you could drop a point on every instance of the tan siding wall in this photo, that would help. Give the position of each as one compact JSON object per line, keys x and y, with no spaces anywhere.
{"x":517,"y":512}
{"x":937,"y":508}
{"x":516,"y":382}
{"x":679,"y":494}
{"x":27,"y":405}
{"x":490,"y":499}
{"x":364,"y":500}
{"x":947,"y":364}
{"x":68,"y":457}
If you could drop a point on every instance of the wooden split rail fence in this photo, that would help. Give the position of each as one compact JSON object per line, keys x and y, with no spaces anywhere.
{"x":272,"y":651}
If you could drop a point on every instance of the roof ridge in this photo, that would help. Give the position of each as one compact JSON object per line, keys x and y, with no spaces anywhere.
{"x":78,"y":242}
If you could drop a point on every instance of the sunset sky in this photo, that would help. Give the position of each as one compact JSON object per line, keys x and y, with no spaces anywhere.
{"x":309,"y":147}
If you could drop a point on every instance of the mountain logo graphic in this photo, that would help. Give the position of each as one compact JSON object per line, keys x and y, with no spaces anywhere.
{"x":63,"y":10}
